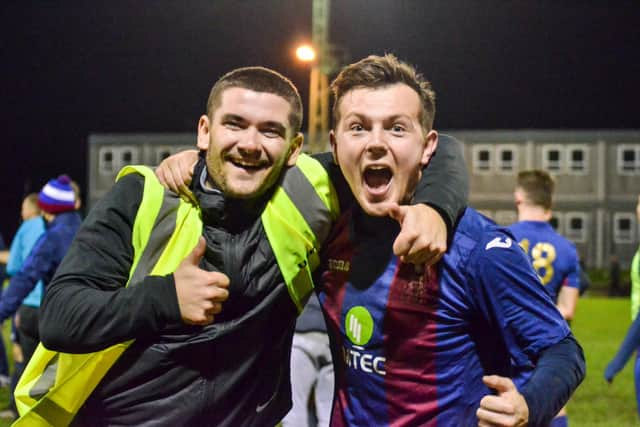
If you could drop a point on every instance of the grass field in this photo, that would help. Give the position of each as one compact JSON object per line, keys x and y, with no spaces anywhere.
{"x":600,"y":325}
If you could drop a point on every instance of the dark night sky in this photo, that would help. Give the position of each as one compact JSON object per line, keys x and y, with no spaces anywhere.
{"x":72,"y":68}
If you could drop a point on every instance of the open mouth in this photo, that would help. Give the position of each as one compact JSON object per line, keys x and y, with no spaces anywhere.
{"x":377,"y":179}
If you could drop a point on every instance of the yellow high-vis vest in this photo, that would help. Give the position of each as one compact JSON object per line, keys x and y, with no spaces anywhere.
{"x":635,"y":285}
{"x":297,"y":219}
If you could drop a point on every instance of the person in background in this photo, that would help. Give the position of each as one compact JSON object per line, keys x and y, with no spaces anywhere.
{"x":58,"y":205}
{"x":311,"y":370}
{"x":29,"y":232}
{"x":554,"y":258}
{"x":614,"y":276}
{"x":631,"y":341}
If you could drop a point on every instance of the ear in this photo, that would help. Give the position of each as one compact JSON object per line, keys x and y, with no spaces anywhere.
{"x":295,"y":149}
{"x":203,"y":132}
{"x":518,"y":197}
{"x":334,"y":145}
{"x":430,"y":145}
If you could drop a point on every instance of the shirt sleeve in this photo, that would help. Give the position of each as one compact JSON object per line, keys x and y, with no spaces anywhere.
{"x":445,"y":183}
{"x":39,"y":265}
{"x":509,"y":293}
{"x":573,"y":275}
{"x":559,"y":371}
{"x":511,"y":297}
{"x":627,"y":348}
{"x":87,"y":306}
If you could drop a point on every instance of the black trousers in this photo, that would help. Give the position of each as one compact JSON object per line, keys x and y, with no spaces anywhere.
{"x":28,"y":335}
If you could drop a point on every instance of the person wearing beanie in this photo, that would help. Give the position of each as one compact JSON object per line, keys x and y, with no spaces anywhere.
{"x":57,"y":196}
{"x":57,"y":201}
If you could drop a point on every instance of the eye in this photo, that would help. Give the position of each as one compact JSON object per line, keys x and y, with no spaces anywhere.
{"x":356,"y":127}
{"x":398,"y":128}
{"x":272,"y":130}
{"x":272,"y":133}
{"x":232,"y":124}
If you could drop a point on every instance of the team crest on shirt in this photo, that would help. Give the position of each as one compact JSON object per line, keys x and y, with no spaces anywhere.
{"x":416,"y":285}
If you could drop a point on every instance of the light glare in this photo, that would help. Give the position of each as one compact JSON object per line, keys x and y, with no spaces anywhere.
{"x":305,"y":53}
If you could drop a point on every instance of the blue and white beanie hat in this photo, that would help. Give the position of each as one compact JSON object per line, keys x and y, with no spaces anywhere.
{"x":57,"y":196}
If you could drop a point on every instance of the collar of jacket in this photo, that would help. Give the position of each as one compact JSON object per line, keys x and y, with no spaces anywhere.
{"x":65,"y":218}
{"x":219,"y":210}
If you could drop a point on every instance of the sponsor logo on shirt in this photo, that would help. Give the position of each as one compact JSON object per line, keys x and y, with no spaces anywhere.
{"x":358,"y":324}
{"x":339,"y":265}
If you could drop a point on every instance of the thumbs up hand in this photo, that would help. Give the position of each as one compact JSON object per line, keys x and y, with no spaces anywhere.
{"x":200,"y":293}
{"x":506,"y":408}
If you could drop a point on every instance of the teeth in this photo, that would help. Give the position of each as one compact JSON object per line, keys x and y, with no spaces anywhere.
{"x":247,"y":165}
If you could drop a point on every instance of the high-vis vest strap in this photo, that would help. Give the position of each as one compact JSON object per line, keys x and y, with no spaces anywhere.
{"x":635,"y":285}
{"x":296,"y":220}
{"x":55,"y":385}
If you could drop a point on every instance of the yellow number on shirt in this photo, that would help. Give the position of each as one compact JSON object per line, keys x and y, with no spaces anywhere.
{"x":543,"y":255}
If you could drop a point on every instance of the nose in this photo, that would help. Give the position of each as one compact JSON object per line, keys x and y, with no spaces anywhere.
{"x":249,"y":143}
{"x":377,"y":145}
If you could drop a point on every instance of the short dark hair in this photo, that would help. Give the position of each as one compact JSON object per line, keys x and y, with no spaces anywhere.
{"x":259,"y":79}
{"x":538,"y":187}
{"x":379,"y":71}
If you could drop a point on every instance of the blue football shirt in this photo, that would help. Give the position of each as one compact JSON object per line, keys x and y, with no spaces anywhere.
{"x":554,"y":258}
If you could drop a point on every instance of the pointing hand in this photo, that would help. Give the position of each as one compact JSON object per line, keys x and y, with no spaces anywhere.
{"x":423,"y":234}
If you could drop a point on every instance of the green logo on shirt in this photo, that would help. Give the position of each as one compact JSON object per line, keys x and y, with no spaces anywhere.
{"x":359,"y":325}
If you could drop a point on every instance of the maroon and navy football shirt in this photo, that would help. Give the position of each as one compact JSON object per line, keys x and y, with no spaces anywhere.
{"x":411,"y":345}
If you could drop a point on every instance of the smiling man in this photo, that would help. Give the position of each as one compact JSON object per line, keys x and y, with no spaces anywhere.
{"x":426,"y":346}
{"x":136,"y":302}
{"x":235,"y":166}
